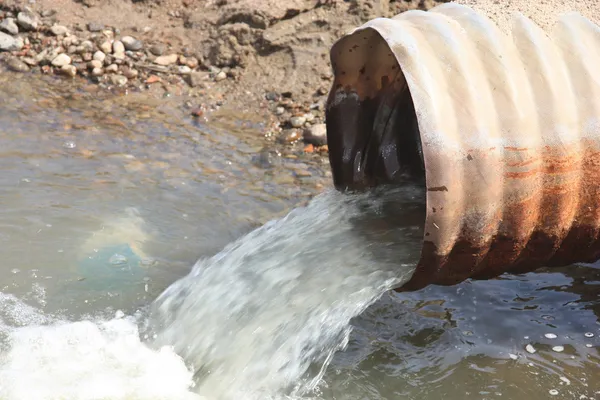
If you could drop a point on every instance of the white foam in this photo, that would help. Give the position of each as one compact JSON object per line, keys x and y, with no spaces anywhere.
{"x":84,"y":360}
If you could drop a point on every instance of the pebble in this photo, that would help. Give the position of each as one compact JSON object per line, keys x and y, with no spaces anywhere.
{"x":550,"y":336}
{"x":118,"y":80}
{"x":8,"y":25}
{"x":317,"y":135}
{"x":95,"y":64}
{"x":158,"y":49}
{"x":99,"y":56}
{"x":530,"y":349}
{"x":17,"y":65}
{"x":184,"y":69}
{"x":220,"y":76}
{"x":27,"y":20}
{"x":61,"y":60}
{"x":192,"y":62}
{"x":85,"y":47}
{"x":129,"y":73}
{"x":166,"y":60}
{"x":279,"y":110}
{"x":7,"y":42}
{"x":58,"y":30}
{"x":310,"y":117}
{"x":118,"y":47}
{"x":112,"y":68}
{"x":97,"y":72}
{"x":69,"y":70}
{"x":131,"y":43}
{"x":558,"y":349}
{"x":289,"y":136}
{"x":106,"y":47}
{"x":297,"y":122}
{"x":95,"y":27}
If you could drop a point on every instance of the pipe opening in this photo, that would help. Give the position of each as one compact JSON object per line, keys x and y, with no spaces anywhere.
{"x":372,"y":127}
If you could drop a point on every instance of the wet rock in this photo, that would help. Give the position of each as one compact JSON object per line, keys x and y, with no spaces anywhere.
{"x":68,"y":70}
{"x":158,"y":49}
{"x":298,"y":121}
{"x":61,"y":60}
{"x":27,"y":20}
{"x":131,"y":43}
{"x":58,"y":30}
{"x":290,"y":136}
{"x":221,"y":76}
{"x":166,"y":60}
{"x":316,"y":135}
{"x":14,"y":64}
{"x":8,"y":25}
{"x":95,"y":27}
{"x":118,"y":47}
{"x":118,"y":80}
{"x":8,"y":43}
{"x":106,"y":47}
{"x":99,"y":56}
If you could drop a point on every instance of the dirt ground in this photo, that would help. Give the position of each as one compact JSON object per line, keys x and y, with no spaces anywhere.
{"x":275,"y":47}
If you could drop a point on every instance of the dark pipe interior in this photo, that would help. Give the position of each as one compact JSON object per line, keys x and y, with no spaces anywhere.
{"x":374,"y":141}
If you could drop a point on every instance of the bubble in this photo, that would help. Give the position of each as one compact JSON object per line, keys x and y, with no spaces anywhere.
{"x":588,"y":334}
{"x":513,"y":356}
{"x":558,"y":349}
{"x":530,"y":349}
{"x":69,"y":144}
{"x":117,"y":259}
{"x":553,"y":392}
{"x":550,"y":336}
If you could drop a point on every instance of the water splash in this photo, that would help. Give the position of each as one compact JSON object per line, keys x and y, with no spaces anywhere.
{"x":254,"y":319}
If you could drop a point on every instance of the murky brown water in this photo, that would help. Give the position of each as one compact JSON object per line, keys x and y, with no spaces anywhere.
{"x":81,"y":173}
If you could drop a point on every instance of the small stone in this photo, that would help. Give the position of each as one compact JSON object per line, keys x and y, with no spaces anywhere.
{"x":158,"y":49}
{"x":184,"y":69}
{"x":32,"y":62}
{"x":118,"y":80}
{"x":558,"y":349}
{"x":316,"y":134}
{"x":310,"y":117}
{"x":166,"y":60}
{"x":196,"y":79}
{"x":85,"y":47}
{"x":14,"y":64}
{"x":221,"y":76}
{"x":192,"y":62}
{"x":112,"y":68}
{"x":106,"y":47}
{"x":8,"y":25}
{"x":550,"y":336}
{"x":69,"y":70}
{"x":129,"y":73}
{"x":97,"y":72}
{"x":131,"y":43}
{"x":58,"y":30}
{"x":297,"y":122}
{"x":530,"y":349}
{"x":99,"y":56}
{"x":279,"y":110}
{"x":95,"y":27}
{"x":27,"y":20}
{"x":289,"y":136}
{"x":95,"y":64}
{"x":61,"y":60}
{"x":8,"y":43}
{"x":118,"y":47}
{"x":272,"y":96}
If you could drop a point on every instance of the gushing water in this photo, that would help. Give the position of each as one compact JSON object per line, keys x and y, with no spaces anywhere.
{"x":259,"y":320}
{"x":264,"y":316}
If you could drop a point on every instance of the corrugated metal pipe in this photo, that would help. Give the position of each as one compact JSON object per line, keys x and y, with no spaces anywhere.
{"x":503,"y":130}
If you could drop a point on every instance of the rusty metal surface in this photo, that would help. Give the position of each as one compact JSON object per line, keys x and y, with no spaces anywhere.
{"x":509,"y":127}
